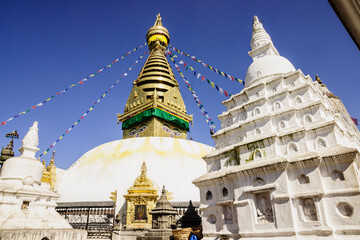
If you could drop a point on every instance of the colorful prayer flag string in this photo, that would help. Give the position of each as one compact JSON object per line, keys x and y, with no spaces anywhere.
{"x":73,"y":85}
{"x":208,"y":66}
{"x":197,"y":100}
{"x":91,"y":108}
{"x":199,"y":75}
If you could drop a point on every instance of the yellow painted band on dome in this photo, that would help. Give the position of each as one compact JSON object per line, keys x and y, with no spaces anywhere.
{"x":161,"y":38}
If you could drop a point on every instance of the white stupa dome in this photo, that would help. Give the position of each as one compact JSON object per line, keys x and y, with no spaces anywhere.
{"x":267,"y":60}
{"x":266,"y":66}
{"x":172,"y":162}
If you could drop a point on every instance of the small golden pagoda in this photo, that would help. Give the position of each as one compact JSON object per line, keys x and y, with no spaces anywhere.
{"x":49,"y":174}
{"x":155,"y":106}
{"x":140,"y":200}
{"x":46,"y":175}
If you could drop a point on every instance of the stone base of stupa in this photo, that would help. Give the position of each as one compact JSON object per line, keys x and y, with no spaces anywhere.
{"x":128,"y":234}
{"x":38,"y":234}
{"x":157,"y":234}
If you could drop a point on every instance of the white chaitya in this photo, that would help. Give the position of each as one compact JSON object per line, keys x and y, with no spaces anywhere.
{"x":286,"y":159}
{"x":27,"y":209}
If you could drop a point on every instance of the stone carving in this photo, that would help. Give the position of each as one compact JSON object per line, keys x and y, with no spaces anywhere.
{"x":228,"y":216}
{"x":263,"y":208}
{"x":258,"y":182}
{"x":277,"y":105}
{"x":309,"y":209}
{"x":337,"y":175}
{"x":256,"y":111}
{"x":345,"y":209}
{"x":321,"y":143}
{"x":292,"y":148}
{"x":303,"y":179}
{"x":225,"y":192}
{"x":228,"y":122}
{"x":211,"y":219}
{"x":209,"y":195}
{"x":308,"y":119}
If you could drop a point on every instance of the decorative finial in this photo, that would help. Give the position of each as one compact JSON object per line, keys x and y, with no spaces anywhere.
{"x":163,"y":190}
{"x":52,"y":158}
{"x":259,"y":36}
{"x":158,"y":20}
{"x":143,"y":169}
{"x":158,"y":32}
{"x":318,"y":79}
{"x":255,"y":21}
{"x":30,"y":142}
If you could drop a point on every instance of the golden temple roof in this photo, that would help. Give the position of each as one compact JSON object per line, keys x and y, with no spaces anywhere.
{"x":155,"y":106}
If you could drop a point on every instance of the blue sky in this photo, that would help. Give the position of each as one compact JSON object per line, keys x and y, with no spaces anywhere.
{"x":48,"y":45}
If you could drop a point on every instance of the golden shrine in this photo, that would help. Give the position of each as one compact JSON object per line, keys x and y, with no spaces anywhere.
{"x":49,"y":174}
{"x":140,"y":200}
{"x":155,"y":107}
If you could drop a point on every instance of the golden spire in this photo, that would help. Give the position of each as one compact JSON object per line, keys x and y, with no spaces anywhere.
{"x":155,"y":106}
{"x":52,"y":158}
{"x":158,"y":32}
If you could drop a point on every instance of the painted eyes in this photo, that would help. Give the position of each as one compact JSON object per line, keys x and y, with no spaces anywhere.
{"x":142,"y":129}
{"x":166,"y":128}
{"x":137,"y":132}
{"x":173,"y":132}
{"x":132,"y":132}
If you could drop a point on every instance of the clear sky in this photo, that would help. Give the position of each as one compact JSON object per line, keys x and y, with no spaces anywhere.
{"x":46,"y":46}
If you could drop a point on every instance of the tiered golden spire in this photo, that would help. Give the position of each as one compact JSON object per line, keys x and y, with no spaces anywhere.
{"x":155,"y":106}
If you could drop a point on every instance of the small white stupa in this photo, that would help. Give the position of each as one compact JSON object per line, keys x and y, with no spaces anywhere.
{"x":286,"y":161}
{"x":27,"y":210}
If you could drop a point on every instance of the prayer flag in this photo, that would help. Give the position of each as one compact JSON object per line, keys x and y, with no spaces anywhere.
{"x":355,"y":120}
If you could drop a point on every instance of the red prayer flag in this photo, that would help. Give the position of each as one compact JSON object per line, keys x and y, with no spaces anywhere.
{"x":226,"y":93}
{"x":3,"y":123}
{"x":355,"y":120}
{"x":81,"y":82}
{"x":33,"y":107}
{"x":233,"y":79}
{"x":203,"y":78}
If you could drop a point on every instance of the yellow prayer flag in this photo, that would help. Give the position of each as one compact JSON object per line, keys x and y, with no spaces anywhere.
{"x":212,"y":84}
